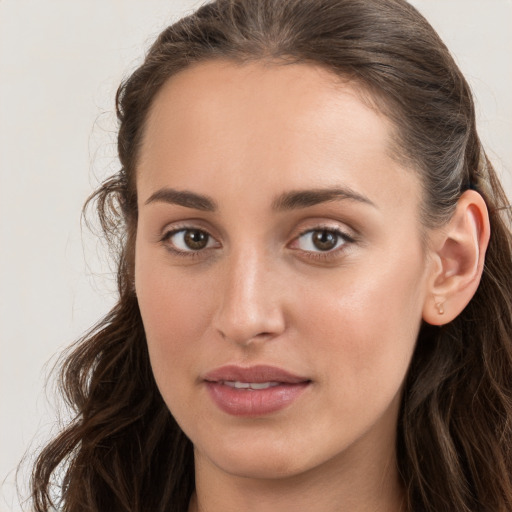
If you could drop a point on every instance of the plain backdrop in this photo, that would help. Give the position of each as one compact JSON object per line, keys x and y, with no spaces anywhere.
{"x":60,"y":64}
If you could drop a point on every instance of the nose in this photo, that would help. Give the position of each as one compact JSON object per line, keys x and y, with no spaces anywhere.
{"x":250,"y":309}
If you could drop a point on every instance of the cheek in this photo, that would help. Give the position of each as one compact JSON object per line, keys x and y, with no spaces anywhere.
{"x":176,"y":313}
{"x":365,"y":327}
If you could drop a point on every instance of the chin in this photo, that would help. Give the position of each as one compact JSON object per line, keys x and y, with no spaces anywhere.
{"x":260,"y":456}
{"x":266,"y":466}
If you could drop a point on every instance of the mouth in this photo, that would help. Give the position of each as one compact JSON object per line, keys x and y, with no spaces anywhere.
{"x":249,"y":385}
{"x":254,"y":391}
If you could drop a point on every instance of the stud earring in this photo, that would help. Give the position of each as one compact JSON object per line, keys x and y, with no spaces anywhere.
{"x":440,"y":308}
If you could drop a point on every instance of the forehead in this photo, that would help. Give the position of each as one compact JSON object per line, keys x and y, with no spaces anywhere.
{"x":267,"y":126}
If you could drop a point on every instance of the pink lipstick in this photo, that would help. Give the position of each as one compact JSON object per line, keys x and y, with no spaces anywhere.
{"x":253,"y":391}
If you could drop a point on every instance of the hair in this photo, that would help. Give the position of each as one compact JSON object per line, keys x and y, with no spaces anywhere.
{"x":123,"y":451}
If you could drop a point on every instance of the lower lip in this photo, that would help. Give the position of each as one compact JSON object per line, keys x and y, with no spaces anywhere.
{"x":254,"y":402}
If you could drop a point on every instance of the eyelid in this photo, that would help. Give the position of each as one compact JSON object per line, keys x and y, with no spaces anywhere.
{"x":170,"y":230}
{"x":192,"y":223}
{"x":346,"y":234}
{"x":347,"y":239}
{"x":334,"y":227}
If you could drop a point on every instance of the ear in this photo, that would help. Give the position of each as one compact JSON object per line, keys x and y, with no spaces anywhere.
{"x":457,"y":255}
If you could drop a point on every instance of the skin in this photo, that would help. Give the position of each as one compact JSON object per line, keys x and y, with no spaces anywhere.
{"x":262,"y":293}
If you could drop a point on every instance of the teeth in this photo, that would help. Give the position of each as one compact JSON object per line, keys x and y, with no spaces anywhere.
{"x":250,"y":385}
{"x":263,"y":385}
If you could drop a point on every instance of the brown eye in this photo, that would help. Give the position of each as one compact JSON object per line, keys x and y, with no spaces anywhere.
{"x":189,"y":240}
{"x":321,"y":240}
{"x":324,"y":240}
{"x":195,"y":239}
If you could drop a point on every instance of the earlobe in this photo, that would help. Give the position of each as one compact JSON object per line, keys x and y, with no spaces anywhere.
{"x":458,"y":255}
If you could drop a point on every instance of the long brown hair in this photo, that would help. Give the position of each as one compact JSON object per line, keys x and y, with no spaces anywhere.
{"x":124,"y":452}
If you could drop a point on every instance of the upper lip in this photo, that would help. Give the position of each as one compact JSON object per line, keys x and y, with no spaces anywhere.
{"x":259,"y":373}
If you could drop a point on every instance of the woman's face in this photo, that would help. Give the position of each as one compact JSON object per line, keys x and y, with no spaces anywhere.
{"x":279,"y":267}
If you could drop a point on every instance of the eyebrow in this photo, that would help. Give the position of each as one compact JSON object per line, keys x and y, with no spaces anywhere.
{"x":305,"y":198}
{"x":292,"y":200}
{"x":183,"y":198}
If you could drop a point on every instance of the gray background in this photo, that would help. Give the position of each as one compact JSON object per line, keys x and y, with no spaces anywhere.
{"x":60,"y":64}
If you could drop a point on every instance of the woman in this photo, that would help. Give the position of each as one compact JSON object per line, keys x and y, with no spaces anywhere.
{"x":314,"y":277}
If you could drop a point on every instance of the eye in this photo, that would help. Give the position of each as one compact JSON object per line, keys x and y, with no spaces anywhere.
{"x":189,"y":240}
{"x":321,"y":240}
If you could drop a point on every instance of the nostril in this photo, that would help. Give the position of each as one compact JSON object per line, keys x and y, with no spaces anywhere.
{"x":247,"y":339}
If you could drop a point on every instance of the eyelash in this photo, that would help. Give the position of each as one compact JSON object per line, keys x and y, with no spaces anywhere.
{"x":314,"y":255}
{"x":330,"y":254}
{"x":178,"y":252}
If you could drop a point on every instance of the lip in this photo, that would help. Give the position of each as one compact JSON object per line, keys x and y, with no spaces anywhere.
{"x":286,"y":388}
{"x":259,"y":373}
